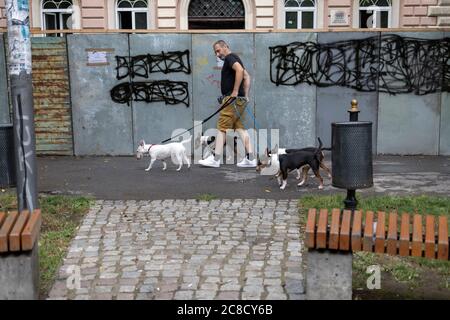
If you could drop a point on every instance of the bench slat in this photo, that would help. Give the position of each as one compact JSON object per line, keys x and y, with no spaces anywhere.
{"x":368,"y":232}
{"x":417,"y":238}
{"x":430,"y":246}
{"x":380,"y":233}
{"x":356,"y":231}
{"x":6,"y":229}
{"x":344,"y":236}
{"x":31,"y":231}
{"x":349,"y":233}
{"x":14,"y":236}
{"x":404,"y":235}
{"x":334,"y":229}
{"x":443,"y":239}
{"x":310,"y":228}
{"x":321,"y":241}
{"x":2,"y":217}
{"x":392,"y":234}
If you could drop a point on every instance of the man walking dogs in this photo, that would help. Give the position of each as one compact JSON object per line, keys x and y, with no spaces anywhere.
{"x":235,"y":84}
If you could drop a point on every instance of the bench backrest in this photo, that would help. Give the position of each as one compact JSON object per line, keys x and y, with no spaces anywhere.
{"x":360,"y":231}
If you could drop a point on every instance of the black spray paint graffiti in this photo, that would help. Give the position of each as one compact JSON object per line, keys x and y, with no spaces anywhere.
{"x":171,"y":92}
{"x":389,"y":63}
{"x":143,"y":65}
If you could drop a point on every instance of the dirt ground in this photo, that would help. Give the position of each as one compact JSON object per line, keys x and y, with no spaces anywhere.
{"x":418,"y":283}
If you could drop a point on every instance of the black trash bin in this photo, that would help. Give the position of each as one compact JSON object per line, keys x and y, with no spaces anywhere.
{"x":351,"y":155}
{"x":7,"y":159}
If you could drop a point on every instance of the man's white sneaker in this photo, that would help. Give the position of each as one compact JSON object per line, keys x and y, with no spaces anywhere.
{"x":210,"y":162}
{"x":245,"y":163}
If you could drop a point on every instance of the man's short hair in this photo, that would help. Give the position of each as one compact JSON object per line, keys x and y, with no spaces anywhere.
{"x":221,"y":43}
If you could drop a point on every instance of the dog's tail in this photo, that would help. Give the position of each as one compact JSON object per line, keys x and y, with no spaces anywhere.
{"x":320,"y":145}
{"x":319,"y":149}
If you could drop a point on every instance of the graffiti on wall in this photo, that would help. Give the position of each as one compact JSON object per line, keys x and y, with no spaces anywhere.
{"x":387,"y":63}
{"x":170,"y":92}
{"x":143,"y":65}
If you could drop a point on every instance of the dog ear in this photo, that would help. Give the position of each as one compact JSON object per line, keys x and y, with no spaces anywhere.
{"x":267,"y":152}
{"x":275,"y":150}
{"x":142,"y":142}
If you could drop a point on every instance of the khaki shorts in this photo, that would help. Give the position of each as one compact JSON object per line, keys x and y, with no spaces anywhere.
{"x":230,"y":117}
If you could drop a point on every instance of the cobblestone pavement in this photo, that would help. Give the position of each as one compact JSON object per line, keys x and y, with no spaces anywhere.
{"x":185,"y":249}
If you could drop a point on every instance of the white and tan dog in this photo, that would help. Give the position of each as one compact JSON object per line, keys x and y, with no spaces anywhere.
{"x":209,"y":143}
{"x":175,"y":150}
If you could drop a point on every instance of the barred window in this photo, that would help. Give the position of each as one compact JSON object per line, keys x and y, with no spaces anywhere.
{"x":375,"y":13}
{"x":300,"y":14}
{"x":132,"y":14}
{"x":218,"y":14}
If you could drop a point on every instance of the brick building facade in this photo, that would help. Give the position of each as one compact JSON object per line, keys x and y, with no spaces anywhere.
{"x":234,"y":14}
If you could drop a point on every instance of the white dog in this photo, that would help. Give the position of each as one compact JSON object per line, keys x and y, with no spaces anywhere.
{"x":175,"y":150}
{"x":209,"y":144}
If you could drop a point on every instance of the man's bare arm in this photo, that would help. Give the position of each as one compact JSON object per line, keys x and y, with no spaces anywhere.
{"x":247,"y":82}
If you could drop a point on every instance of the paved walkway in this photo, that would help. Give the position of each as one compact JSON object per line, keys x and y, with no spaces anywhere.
{"x":124,"y":178}
{"x":186,"y":249}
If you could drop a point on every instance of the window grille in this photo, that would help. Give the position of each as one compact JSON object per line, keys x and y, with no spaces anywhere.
{"x":216,"y":9}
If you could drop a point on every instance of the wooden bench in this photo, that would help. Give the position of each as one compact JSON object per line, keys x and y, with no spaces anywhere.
{"x":19,"y":231}
{"x":367,"y":231}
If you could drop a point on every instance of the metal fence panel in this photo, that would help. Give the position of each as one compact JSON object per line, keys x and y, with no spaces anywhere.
{"x":101,"y":127}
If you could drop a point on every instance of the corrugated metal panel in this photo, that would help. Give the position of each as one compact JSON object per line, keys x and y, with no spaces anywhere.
{"x":51,"y":93}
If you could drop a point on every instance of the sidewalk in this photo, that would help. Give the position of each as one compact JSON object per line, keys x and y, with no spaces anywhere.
{"x":124,"y":178}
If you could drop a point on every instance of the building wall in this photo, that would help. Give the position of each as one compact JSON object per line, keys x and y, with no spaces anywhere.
{"x":300,"y":113}
{"x":93,"y":14}
{"x":260,"y":14}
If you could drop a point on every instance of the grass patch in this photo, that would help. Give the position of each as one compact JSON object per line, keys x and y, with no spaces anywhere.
{"x":406,"y":277}
{"x":206,"y":197}
{"x":413,"y":204}
{"x":61,"y":216}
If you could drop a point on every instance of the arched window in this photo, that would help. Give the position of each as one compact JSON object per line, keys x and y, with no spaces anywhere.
{"x":300,"y":14}
{"x":218,"y":14}
{"x":57,"y":15}
{"x":132,"y":14}
{"x":375,"y":13}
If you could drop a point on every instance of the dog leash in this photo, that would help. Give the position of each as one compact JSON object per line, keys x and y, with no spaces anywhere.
{"x":239,"y":115}
{"x":226,"y":104}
